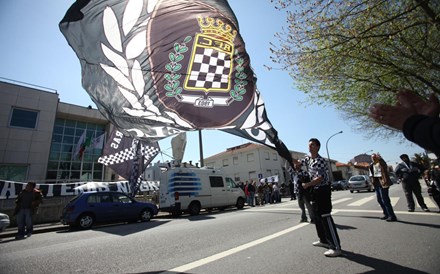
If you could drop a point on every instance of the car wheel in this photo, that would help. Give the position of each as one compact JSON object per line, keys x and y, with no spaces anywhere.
{"x":85,"y":221}
{"x":240,"y":203}
{"x":146,"y":215}
{"x":194,"y":208}
{"x":351,"y":191}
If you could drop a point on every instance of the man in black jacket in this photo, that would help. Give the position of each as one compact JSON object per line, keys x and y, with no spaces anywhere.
{"x":409,"y":172}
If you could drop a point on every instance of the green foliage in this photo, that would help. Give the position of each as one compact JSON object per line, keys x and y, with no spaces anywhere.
{"x":352,"y":53}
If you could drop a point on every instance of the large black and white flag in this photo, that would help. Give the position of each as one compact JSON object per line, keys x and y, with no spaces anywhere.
{"x":158,"y":68}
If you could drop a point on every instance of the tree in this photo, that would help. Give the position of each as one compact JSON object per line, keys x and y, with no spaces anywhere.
{"x":350,"y":54}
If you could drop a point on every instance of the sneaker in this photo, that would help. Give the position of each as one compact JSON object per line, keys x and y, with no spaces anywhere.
{"x":391,"y":219}
{"x":303,"y":221}
{"x":410,"y":210}
{"x":333,"y":253}
{"x":320,"y":244}
{"x":19,"y":237}
{"x":426,"y":209}
{"x":384,"y":217}
{"x":28,"y":235}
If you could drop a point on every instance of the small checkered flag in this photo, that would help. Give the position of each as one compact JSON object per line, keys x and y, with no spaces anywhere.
{"x":122,"y":153}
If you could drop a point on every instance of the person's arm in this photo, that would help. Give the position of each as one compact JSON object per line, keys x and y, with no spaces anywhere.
{"x":424,"y":131}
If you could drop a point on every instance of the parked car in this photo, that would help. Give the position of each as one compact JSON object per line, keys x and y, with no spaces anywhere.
{"x":339,"y":185}
{"x":4,"y":221}
{"x":360,"y":182}
{"x":88,"y":208}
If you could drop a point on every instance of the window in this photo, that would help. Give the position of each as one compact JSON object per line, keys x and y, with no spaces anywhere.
{"x":237,"y":177}
{"x":250,"y":157}
{"x":23,"y":118}
{"x":266,"y":155}
{"x":216,"y":181}
{"x":268,"y":173}
{"x":225,"y":162}
{"x":120,"y":198}
{"x":275,"y":156}
{"x":230,"y":183}
{"x":235,"y":160}
{"x":252,"y":175}
{"x":13,"y":173}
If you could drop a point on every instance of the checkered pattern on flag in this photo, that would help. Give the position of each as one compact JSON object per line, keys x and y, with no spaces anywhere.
{"x":120,"y":153}
{"x":210,"y":69}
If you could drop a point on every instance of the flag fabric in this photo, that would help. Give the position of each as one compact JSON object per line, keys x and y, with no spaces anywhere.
{"x":120,"y":152}
{"x":97,"y":142}
{"x":79,"y":145}
{"x":83,"y":147}
{"x":158,"y":68}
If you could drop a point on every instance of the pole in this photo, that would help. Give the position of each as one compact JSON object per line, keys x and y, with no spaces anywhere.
{"x":328,"y":156}
{"x":202,"y":164}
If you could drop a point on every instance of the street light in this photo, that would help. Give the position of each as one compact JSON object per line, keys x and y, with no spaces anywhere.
{"x":328,"y":155}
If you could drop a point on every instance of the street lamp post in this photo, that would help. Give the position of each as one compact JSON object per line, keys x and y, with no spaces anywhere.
{"x":328,"y":155}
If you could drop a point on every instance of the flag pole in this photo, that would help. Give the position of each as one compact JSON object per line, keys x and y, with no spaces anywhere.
{"x":202,"y":164}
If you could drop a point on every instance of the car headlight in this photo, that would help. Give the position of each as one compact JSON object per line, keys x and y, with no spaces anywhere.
{"x":4,"y":217}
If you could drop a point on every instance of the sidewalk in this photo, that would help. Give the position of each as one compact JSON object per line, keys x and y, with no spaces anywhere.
{"x":38,"y":228}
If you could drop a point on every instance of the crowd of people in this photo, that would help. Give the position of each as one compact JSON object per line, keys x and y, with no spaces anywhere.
{"x":261,"y":193}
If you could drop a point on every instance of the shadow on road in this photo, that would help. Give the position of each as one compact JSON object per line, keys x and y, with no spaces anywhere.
{"x":378,"y":265}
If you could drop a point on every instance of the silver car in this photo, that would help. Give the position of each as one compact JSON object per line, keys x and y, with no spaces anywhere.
{"x":4,"y":221}
{"x":360,"y":182}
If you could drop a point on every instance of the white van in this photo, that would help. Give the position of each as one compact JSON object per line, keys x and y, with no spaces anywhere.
{"x":189,"y":190}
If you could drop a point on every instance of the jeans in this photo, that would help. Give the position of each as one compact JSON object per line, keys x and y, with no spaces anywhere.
{"x":383,"y":198}
{"x":251,"y":198}
{"x":24,"y":222}
{"x":303,"y":202}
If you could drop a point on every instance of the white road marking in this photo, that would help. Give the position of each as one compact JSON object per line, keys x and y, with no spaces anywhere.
{"x":362,"y":201}
{"x":187,"y":267}
{"x":341,"y":200}
{"x":394,"y":200}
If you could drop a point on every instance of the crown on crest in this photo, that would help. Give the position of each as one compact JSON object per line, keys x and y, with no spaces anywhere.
{"x":211,"y":26}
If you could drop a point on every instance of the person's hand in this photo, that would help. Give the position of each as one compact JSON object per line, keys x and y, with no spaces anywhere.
{"x":409,"y":104}
{"x":430,"y":107}
{"x":392,"y":116}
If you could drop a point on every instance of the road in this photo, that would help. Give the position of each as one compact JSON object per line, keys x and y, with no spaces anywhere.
{"x":266,"y":239}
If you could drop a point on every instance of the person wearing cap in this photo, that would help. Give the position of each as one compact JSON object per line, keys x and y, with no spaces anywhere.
{"x":381,"y":180}
{"x":409,"y":173}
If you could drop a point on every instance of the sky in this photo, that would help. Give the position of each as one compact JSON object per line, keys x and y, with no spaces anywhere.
{"x":33,"y":51}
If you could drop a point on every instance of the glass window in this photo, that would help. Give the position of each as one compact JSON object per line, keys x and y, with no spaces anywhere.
{"x":230,"y":183}
{"x":225,"y":162}
{"x":275,"y":156}
{"x":266,"y":155}
{"x":235,"y":160}
{"x":250,"y":157}
{"x":216,"y":181}
{"x":23,"y":118}
{"x":121,"y":198}
{"x":13,"y":173}
{"x":252,"y":175}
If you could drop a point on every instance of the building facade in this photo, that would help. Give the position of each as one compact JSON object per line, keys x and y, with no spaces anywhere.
{"x":40,"y":137}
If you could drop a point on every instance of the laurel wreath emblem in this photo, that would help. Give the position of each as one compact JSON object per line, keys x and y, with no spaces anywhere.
{"x":172,"y":85}
{"x":126,"y":69}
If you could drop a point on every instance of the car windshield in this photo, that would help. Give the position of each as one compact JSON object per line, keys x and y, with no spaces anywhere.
{"x":357,"y":178}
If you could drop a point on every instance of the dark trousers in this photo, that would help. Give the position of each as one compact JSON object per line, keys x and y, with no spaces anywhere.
{"x":383,"y":198}
{"x":325,"y":226}
{"x":410,"y":187}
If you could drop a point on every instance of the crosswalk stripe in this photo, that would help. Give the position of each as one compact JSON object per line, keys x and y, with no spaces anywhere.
{"x":362,"y":201}
{"x":394,"y":200}
{"x":341,"y":200}
{"x":430,"y":204}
